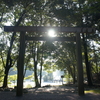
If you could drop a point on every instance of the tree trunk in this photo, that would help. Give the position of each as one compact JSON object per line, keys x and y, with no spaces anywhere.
{"x":41,"y":68}
{"x":95,"y":57}
{"x":35,"y":75}
{"x":88,"y":71}
{"x":6,"y":73}
{"x":40,"y":75}
{"x":5,"y":77}
{"x":70,"y":71}
{"x":74,"y":72}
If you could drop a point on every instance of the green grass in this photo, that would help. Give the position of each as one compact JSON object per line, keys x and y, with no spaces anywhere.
{"x":93,"y":91}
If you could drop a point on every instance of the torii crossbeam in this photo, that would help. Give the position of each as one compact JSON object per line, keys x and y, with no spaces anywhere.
{"x":23,"y":38}
{"x":46,"y":28}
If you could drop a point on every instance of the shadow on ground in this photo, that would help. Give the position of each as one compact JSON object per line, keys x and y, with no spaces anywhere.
{"x":49,"y":93}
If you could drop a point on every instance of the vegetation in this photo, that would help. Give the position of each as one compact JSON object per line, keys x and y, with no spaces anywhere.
{"x":93,"y":91}
{"x":51,"y":55}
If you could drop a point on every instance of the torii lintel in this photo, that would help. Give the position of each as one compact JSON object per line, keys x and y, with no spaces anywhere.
{"x":46,"y":28}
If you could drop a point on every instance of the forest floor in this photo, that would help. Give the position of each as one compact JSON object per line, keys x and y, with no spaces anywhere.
{"x":50,"y":93}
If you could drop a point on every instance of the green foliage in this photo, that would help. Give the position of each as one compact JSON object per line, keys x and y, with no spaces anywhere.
{"x":12,"y":77}
{"x":1,"y":71}
{"x":28,"y":77}
{"x":28,"y":86}
{"x":68,"y":78}
{"x":93,"y":91}
{"x":49,"y":66}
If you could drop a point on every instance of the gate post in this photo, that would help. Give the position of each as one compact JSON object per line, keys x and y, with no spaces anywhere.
{"x":79,"y":65}
{"x":20,"y":65}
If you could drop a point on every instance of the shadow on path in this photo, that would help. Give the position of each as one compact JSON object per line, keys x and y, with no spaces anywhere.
{"x":49,"y":93}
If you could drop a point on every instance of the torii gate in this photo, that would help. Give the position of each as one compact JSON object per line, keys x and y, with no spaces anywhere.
{"x":23,"y":38}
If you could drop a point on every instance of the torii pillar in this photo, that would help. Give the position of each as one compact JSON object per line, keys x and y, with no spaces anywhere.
{"x":79,"y":65}
{"x":20,"y":65}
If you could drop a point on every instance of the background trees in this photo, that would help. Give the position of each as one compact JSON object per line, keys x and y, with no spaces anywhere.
{"x":70,"y":13}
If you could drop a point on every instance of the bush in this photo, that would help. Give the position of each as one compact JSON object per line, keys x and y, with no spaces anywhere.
{"x":28,"y":86}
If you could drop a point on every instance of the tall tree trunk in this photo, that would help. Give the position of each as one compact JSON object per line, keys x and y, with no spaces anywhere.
{"x":88,"y":71}
{"x":6,"y":74}
{"x":35,"y":75}
{"x":7,"y":67}
{"x":70,"y":71}
{"x":41,"y":68}
{"x":95,"y":57}
{"x":35,"y":57}
{"x":74,"y":76}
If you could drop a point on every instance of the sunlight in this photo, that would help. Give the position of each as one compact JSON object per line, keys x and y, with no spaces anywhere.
{"x":51,"y":33}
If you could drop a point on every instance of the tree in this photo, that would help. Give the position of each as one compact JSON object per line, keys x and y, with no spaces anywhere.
{"x":16,"y":11}
{"x":71,"y":13}
{"x":13,"y":78}
{"x":90,"y":21}
{"x":9,"y":59}
{"x":66,"y":59}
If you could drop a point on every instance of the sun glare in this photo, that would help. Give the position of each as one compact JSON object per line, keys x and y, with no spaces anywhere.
{"x":51,"y":33}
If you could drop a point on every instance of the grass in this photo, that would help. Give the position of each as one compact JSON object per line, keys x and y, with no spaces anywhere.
{"x":97,"y":91}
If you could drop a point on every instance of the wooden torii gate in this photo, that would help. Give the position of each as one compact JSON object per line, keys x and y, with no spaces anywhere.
{"x":23,"y":38}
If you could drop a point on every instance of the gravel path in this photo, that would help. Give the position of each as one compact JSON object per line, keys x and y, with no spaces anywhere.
{"x":49,"y":93}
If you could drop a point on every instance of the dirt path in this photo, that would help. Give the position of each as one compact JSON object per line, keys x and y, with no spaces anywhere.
{"x":49,"y":93}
